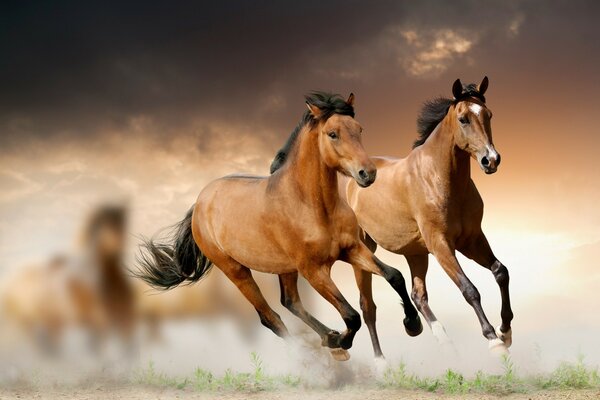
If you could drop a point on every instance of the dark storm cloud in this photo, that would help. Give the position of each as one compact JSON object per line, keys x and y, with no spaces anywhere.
{"x":81,"y":68}
{"x":81,"y":64}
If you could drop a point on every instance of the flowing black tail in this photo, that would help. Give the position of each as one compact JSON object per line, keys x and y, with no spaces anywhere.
{"x":164,"y":266}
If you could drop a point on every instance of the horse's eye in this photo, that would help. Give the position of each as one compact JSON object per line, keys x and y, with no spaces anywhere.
{"x":463,"y":120}
{"x":332,"y":135}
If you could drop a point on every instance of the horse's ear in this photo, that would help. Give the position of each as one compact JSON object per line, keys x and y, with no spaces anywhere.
{"x":483,"y":85}
{"x":457,"y":89}
{"x":314,"y":110}
{"x":350,"y":100}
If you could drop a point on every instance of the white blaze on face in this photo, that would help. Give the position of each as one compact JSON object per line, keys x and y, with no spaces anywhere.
{"x":492,"y":153}
{"x":475,"y":108}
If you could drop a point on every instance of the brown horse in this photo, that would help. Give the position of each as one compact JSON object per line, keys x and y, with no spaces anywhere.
{"x":427,"y":203}
{"x":292,"y":221}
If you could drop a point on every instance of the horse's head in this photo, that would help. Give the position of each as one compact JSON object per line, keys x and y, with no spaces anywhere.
{"x":105,"y":232}
{"x":474,"y":131}
{"x":340,"y":143}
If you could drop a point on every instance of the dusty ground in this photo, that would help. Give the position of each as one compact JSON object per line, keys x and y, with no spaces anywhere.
{"x":140,"y":392}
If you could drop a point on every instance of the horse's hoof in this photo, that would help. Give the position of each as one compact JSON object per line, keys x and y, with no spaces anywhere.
{"x":413,"y":327}
{"x":381,"y":366}
{"x":439,"y":332}
{"x":506,"y":337}
{"x":498,"y":348}
{"x":332,"y":339}
{"x":340,"y":354}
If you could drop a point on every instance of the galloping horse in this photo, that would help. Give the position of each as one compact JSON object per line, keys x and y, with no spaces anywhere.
{"x":292,"y":221}
{"x":427,"y":203}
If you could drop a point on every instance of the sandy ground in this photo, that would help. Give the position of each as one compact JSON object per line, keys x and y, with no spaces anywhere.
{"x":141,"y":392}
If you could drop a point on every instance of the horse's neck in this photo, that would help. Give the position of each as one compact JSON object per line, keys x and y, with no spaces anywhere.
{"x":449,"y":163}
{"x":312,"y":178}
{"x":107,"y":268}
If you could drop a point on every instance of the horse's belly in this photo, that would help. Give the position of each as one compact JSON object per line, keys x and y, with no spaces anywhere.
{"x":404,"y":242}
{"x":397,"y":235}
{"x":265,"y":260}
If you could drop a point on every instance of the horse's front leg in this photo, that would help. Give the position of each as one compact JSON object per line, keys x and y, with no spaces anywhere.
{"x":479,"y":251}
{"x":361,"y":257}
{"x":320,"y":279}
{"x":447,"y":259}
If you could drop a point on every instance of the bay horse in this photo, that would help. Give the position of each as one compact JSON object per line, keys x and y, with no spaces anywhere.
{"x":427,"y":203}
{"x":293,"y":221}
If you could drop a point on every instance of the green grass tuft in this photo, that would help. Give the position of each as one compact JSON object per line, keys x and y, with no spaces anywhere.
{"x":570,"y":376}
{"x":566,"y":376}
{"x":204,"y":381}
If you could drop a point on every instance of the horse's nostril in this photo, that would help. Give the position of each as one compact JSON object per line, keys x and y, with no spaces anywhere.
{"x":485,"y":162}
{"x":363,"y":174}
{"x":498,"y":160}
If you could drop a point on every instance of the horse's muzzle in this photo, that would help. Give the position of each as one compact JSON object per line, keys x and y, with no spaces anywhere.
{"x":490,"y":162}
{"x":365,"y":177}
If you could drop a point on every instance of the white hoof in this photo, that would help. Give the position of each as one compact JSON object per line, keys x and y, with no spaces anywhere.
{"x":506,"y":337}
{"x":498,"y":348}
{"x":439,"y":332}
{"x":381,"y":366}
{"x":340,"y":354}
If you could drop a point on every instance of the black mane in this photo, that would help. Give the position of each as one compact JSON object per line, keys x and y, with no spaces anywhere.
{"x":329,"y":104}
{"x":434,"y":111}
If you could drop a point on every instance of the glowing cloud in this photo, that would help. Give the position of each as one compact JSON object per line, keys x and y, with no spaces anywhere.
{"x":430,"y":53}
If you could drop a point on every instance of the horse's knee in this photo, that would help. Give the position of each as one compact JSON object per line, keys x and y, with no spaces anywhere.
{"x":500,"y":273}
{"x":352,"y":320}
{"x":368,"y":307}
{"x":273,"y":322}
{"x":394,"y":277}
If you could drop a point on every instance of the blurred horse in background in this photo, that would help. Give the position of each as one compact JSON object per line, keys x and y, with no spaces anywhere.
{"x":87,"y":289}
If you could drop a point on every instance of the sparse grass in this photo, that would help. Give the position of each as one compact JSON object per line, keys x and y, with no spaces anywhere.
{"x":570,"y":376}
{"x":574,"y":375}
{"x":204,"y":381}
{"x":566,"y":376}
{"x":149,"y":376}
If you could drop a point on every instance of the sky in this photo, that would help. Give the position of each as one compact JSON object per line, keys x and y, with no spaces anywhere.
{"x":146,"y":103}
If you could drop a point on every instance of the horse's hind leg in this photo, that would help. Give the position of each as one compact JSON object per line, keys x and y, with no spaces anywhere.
{"x":418,"y":268}
{"x":290,"y":299}
{"x":242,"y":278}
{"x":479,"y":251}
{"x":364,"y":281}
